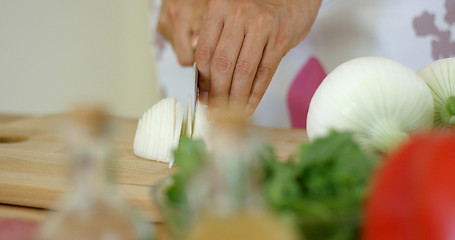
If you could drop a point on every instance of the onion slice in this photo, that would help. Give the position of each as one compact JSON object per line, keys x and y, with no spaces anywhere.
{"x":158,"y":131}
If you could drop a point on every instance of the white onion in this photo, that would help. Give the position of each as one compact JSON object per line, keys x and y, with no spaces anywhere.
{"x":440,"y":77}
{"x":201,"y":127}
{"x":380,"y":100}
{"x":158,"y":131}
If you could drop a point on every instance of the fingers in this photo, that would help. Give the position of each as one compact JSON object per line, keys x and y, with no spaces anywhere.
{"x":223,"y":64}
{"x":238,"y":49}
{"x":164,"y":23}
{"x":246,"y":66}
{"x":264,"y":74}
{"x":178,"y":21}
{"x":182,"y":43}
{"x":195,"y":32}
{"x":208,"y":38}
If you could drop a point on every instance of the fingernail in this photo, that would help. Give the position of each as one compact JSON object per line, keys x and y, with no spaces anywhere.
{"x":204,"y":97}
{"x":194,"y":40}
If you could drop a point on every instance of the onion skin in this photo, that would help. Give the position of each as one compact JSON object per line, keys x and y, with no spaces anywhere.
{"x":440,"y":78}
{"x":381,"y":101}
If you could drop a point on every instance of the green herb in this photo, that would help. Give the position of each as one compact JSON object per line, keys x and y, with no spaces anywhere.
{"x":189,"y":156}
{"x":322,"y":189}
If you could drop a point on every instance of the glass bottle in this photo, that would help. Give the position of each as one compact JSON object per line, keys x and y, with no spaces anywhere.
{"x":226,"y":194}
{"x":90,"y":208}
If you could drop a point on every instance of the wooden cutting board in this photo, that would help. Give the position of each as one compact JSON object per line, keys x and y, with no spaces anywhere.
{"x":33,"y":159}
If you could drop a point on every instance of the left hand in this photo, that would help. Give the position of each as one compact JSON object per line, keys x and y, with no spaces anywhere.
{"x":179,"y":20}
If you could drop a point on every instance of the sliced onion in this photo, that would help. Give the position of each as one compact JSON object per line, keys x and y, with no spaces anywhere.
{"x":159,"y":130}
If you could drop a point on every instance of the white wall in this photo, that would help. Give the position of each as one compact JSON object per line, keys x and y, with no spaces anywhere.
{"x":55,"y":53}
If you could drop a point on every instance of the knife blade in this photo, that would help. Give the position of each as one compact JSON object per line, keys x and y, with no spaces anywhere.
{"x":196,"y":86}
{"x":195,"y":96}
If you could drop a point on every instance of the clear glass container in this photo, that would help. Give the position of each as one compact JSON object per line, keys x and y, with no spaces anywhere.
{"x":224,"y":196}
{"x":91,"y":209}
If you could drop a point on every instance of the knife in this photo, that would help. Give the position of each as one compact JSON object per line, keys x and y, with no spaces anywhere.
{"x":191,"y":118}
{"x":196,"y":87}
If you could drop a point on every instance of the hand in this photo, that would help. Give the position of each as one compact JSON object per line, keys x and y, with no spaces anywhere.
{"x":241,"y":43}
{"x":179,"y":20}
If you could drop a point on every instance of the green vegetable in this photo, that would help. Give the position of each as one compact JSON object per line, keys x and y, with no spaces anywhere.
{"x":190,"y":156}
{"x":323,"y":189}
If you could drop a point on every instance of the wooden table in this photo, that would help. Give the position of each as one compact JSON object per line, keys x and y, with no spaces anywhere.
{"x":33,"y":173}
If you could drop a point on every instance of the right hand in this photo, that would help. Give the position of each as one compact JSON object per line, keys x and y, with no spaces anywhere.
{"x":178,"y":22}
{"x":241,"y":43}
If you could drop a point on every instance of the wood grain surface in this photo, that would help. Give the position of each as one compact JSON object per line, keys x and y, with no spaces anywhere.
{"x":33,"y":167}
